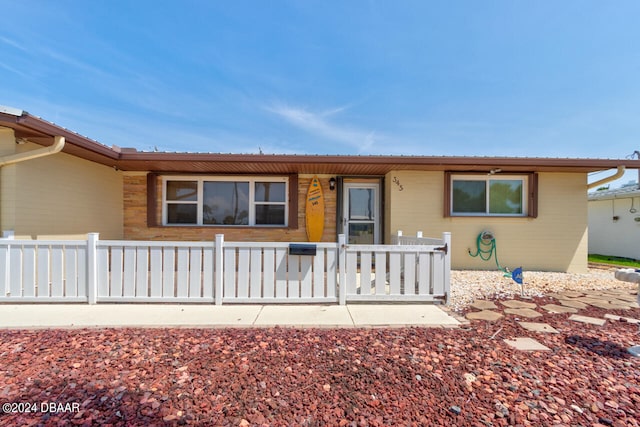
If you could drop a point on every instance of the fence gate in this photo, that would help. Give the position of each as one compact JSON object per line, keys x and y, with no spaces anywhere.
{"x":414,"y":269}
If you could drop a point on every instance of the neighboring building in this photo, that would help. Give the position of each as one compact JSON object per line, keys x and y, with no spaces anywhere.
{"x":614,"y":222}
{"x":535,"y":207}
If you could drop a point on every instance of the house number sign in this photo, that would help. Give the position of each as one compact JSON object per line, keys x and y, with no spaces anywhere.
{"x":396,"y":181}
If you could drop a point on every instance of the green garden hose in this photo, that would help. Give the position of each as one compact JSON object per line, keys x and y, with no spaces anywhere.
{"x":486,"y":247}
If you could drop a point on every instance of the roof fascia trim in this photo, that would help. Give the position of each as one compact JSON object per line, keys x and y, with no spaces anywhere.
{"x":48,"y":128}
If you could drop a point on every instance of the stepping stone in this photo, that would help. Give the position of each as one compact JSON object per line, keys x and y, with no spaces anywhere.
{"x":608,"y":306}
{"x":588,"y":300}
{"x":587,"y":319}
{"x":572,"y":294}
{"x":618,"y":291}
{"x":483,"y":305}
{"x":626,"y":319}
{"x":573,"y":303}
{"x":522,"y":312}
{"x":575,"y":298}
{"x":609,"y":294}
{"x":556,"y":295}
{"x":526,"y":344}
{"x":630,"y":304}
{"x":488,"y":315}
{"x":539,"y":327}
{"x":595,"y":294}
{"x":555,"y":308}
{"x":512,"y":303}
{"x":626,"y":297}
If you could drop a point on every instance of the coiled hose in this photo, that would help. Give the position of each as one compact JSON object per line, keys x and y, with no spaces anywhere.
{"x":486,"y":247}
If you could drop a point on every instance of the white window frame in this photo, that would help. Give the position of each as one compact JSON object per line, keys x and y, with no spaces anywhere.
{"x":200,"y":180}
{"x":487,"y":179}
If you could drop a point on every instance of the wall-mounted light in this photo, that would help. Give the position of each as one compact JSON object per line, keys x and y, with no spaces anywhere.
{"x":495,"y":171}
{"x":332,"y":183}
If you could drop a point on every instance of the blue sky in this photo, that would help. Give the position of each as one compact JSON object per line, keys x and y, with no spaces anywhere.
{"x":475,"y":78}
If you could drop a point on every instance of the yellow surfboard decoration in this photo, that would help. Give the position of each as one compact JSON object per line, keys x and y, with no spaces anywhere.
{"x":314,"y":211}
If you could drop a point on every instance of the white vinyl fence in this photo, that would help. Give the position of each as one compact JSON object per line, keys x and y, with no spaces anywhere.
{"x":412,"y":269}
{"x":47,"y":271}
{"x":269,"y":272}
{"x":130,"y":271}
{"x":219,"y":272}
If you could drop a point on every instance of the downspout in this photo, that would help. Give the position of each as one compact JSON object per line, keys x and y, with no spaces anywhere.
{"x":57,"y":146}
{"x":613,"y":177}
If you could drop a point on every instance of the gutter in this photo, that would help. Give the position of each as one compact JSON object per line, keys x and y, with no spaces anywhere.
{"x":73,"y":138}
{"x":613,"y":177}
{"x":57,"y":146}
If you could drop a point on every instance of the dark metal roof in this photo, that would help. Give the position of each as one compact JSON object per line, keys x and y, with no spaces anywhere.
{"x":42,"y":132}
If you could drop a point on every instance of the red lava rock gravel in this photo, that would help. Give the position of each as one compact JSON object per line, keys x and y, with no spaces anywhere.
{"x":316,"y":377}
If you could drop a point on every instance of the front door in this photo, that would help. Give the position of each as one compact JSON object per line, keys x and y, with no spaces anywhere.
{"x":361,"y":216}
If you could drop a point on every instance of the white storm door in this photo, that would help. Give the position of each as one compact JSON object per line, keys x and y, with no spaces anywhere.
{"x":361,"y":216}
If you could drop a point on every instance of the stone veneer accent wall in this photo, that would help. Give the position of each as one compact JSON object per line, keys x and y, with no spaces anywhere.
{"x":135,"y":217}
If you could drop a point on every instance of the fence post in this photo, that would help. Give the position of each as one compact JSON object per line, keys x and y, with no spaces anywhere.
{"x":446,"y":236}
{"x":342,"y":274}
{"x":92,"y":267}
{"x":218,"y":273}
{"x":6,"y":235}
{"x":398,"y":238}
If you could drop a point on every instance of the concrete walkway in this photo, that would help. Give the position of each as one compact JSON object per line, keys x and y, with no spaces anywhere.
{"x":142,"y":315}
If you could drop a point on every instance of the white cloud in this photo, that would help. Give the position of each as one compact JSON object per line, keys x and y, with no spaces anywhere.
{"x":80,"y":65}
{"x":321,"y":125}
{"x":13,"y":70}
{"x":12,"y":43}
